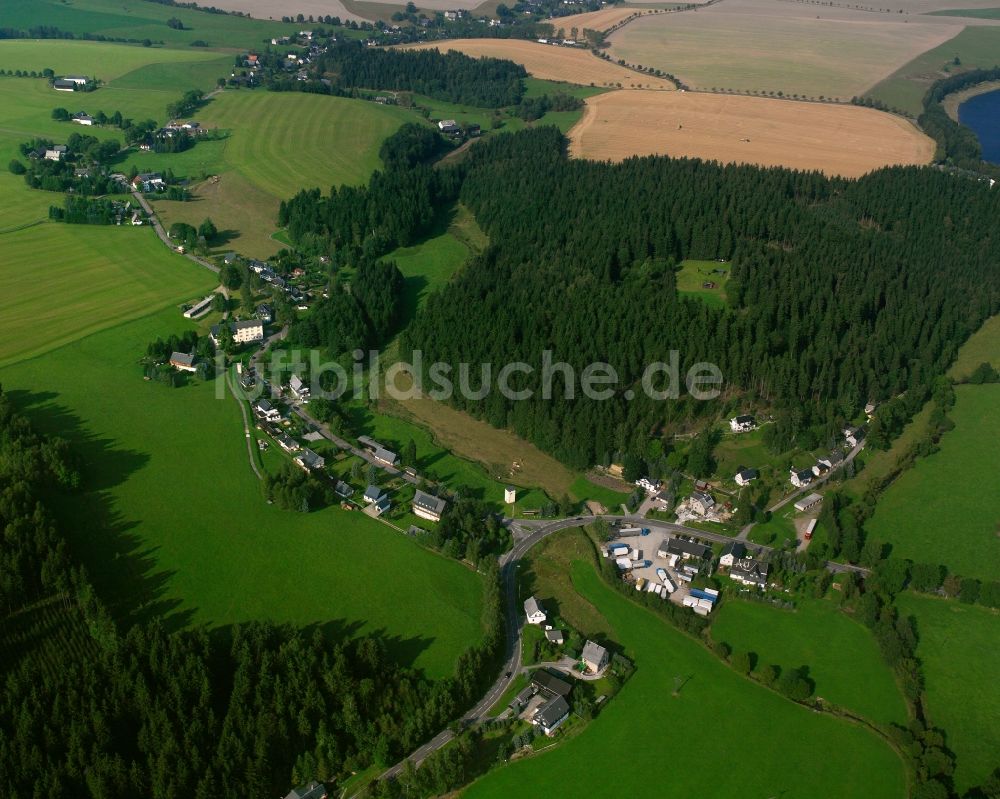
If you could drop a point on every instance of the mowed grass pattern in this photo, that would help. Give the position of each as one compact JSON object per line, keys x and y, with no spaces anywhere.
{"x":172,"y":522}
{"x":62,"y":282}
{"x":645,"y":740}
{"x":840,"y":654}
{"x":946,"y":509}
{"x":284,"y":142}
{"x":960,"y":660}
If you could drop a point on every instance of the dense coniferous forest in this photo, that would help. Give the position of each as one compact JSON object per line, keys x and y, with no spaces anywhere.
{"x":140,"y":712}
{"x":451,"y":76}
{"x":840,"y":291}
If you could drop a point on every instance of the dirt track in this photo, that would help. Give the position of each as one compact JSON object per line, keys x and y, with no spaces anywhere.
{"x":836,"y":139}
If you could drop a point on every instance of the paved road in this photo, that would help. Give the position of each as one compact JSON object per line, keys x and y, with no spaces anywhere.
{"x":300,"y":410}
{"x":155,"y":220}
{"x":531,"y":533}
{"x":811,"y":487}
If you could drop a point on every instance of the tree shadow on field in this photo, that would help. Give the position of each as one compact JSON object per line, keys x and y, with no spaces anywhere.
{"x":119,"y":563}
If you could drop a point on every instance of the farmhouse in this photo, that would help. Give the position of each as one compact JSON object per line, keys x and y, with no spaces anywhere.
{"x":742,"y":424}
{"x":373,"y":494}
{"x":733,"y":552}
{"x":595,"y":657}
{"x":249,"y":330}
{"x":63,"y":85}
{"x":745,"y":476}
{"x":182,"y":361}
{"x":821,"y":467}
{"x":309,"y":460}
{"x":808,"y":502}
{"x":648,"y":485}
{"x":55,"y":152}
{"x":77,"y":80}
{"x":554,"y":637}
{"x":550,"y":684}
{"x":802,"y":478}
{"x":343,"y":490}
{"x":149,"y":182}
{"x":701,"y":502}
{"x":388,"y":457}
{"x":854,"y":436}
{"x":550,"y":715}
{"x":427,"y":506}
{"x":381,"y":505}
{"x":286,"y":442}
{"x":683,"y":549}
{"x":836,"y":457}
{"x":314,"y":790}
{"x":298,"y":388}
{"x":533,"y":611}
{"x":749,"y":571}
{"x":80,"y":118}
{"x":266,"y":411}
{"x":449,"y":126}
{"x":265,"y":313}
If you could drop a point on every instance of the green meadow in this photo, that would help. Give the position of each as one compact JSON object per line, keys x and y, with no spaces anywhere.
{"x":977,"y":46}
{"x":693,"y":275}
{"x":140,"y":19}
{"x":644,"y":742}
{"x":960,"y":660}
{"x":975,"y":13}
{"x":841,"y":656}
{"x":172,"y":522}
{"x":946,"y":508}
{"x":62,"y":282}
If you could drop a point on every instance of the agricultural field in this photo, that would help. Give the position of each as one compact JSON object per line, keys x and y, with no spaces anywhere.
{"x":933,"y":513}
{"x":974,"y":13}
{"x":278,"y":144}
{"x":835,"y":139}
{"x":596,"y":20}
{"x":974,"y":46}
{"x":703,"y":280}
{"x":960,"y":658}
{"x":172,"y":522}
{"x":139,"y":19}
{"x":770,"y":46}
{"x":773,"y":739}
{"x":62,"y":282}
{"x":841,"y":655}
{"x":554,"y":63}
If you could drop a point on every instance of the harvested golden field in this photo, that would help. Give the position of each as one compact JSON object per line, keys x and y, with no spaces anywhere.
{"x":771,"y":46}
{"x":597,"y":20}
{"x":549,"y":62}
{"x":836,"y":139}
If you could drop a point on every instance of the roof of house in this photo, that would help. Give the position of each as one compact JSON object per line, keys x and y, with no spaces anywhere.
{"x":748,"y":474}
{"x":552,"y":712}
{"x":387,"y":455}
{"x":373,"y":493}
{"x":735,"y":548}
{"x":182,"y":358}
{"x":382,"y":503}
{"x":553,"y":683}
{"x":314,"y":790}
{"x":310,"y":458}
{"x":343,"y":489}
{"x":835,"y":457}
{"x":679,"y":546}
{"x":247,"y":323}
{"x":554,"y":635}
{"x":705,"y":499}
{"x":295,"y":382}
{"x":429,"y":502}
{"x":263,"y":405}
{"x":745,"y":419}
{"x":531,"y":606}
{"x":805,"y":474}
{"x":750,"y":569}
{"x":593,"y":652}
{"x":368,"y":441}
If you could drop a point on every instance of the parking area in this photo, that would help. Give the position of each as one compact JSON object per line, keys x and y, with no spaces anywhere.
{"x":645,"y":554}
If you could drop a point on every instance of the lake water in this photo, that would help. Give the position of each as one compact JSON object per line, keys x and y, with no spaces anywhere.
{"x":982,"y":114}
